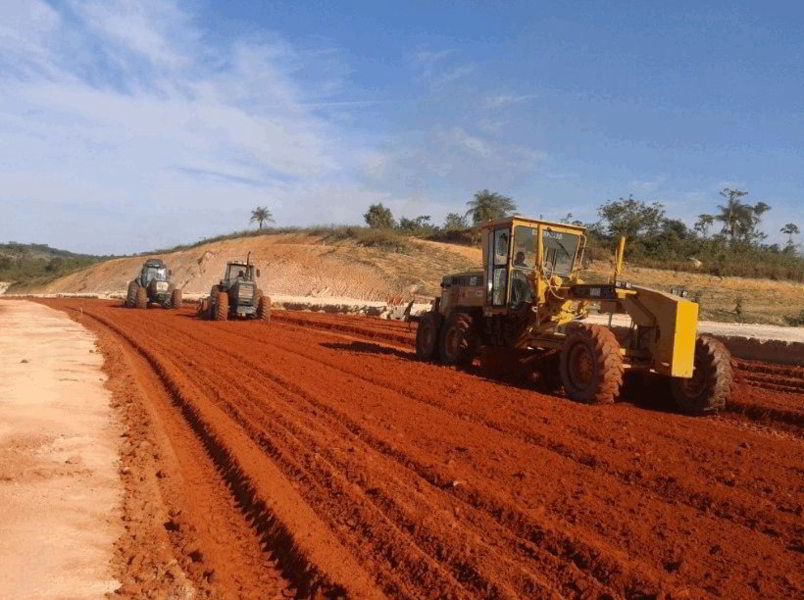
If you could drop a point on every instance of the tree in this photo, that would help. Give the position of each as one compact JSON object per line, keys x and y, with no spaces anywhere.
{"x":488,"y":206}
{"x":735,"y":216}
{"x":790,"y":230}
{"x":420,"y":224}
{"x":261,"y":215}
{"x":632,"y":218}
{"x":379,"y":217}
{"x":454,"y":222}
{"x":703,"y":224}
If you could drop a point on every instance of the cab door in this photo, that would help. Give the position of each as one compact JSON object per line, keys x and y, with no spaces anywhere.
{"x":498,"y":257}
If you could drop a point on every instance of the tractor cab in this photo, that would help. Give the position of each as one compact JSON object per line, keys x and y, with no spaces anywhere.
{"x":525,"y":258}
{"x":153,"y":270}
{"x":239,"y":271}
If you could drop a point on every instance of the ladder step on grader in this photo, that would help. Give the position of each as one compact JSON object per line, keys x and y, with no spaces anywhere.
{"x":529,"y":301}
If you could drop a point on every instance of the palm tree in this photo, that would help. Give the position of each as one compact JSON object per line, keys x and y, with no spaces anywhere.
{"x":790,"y":230}
{"x":261,"y":215}
{"x":736,"y":217}
{"x":487,"y":206}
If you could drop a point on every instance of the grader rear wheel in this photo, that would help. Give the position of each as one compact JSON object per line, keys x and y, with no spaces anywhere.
{"x":221,"y":306}
{"x":591,"y":365}
{"x":141,"y":297}
{"x":457,"y":343}
{"x":427,"y":336}
{"x":710,"y":386}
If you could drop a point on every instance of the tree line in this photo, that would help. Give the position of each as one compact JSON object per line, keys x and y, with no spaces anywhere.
{"x":636,"y":219}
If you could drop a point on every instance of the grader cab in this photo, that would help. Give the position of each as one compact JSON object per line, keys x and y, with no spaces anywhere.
{"x":529,"y":300}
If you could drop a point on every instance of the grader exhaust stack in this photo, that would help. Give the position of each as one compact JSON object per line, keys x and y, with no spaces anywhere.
{"x":528,"y":299}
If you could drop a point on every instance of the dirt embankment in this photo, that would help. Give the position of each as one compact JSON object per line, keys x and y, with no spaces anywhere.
{"x":314,"y":454}
{"x":302,"y":265}
{"x":291,"y":264}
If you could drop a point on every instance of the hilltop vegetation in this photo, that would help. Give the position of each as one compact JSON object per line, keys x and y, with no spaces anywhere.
{"x":38,"y":264}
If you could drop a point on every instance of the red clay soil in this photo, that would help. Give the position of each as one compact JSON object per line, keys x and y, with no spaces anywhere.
{"x":312,"y":456}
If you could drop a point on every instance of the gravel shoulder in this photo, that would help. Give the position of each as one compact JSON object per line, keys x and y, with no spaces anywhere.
{"x":60,"y":491}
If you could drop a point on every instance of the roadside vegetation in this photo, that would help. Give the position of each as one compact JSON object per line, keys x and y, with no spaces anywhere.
{"x":26,"y":265}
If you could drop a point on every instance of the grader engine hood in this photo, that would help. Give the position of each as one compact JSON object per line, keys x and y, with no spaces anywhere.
{"x":675,"y":327}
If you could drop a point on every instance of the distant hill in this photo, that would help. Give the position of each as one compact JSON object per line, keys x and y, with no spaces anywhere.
{"x":25,"y":265}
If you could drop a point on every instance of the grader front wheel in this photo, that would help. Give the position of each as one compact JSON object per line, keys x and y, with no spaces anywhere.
{"x":427,"y":336}
{"x":457,"y":343}
{"x":710,"y":386}
{"x":591,"y":365}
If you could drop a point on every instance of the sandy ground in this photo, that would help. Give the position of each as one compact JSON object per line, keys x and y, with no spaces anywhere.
{"x":59,"y":487}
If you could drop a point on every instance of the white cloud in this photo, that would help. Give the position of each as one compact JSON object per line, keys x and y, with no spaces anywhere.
{"x":504,"y":100}
{"x":117,"y":110}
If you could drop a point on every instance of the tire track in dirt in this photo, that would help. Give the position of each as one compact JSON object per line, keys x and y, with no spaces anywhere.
{"x":249,"y":332}
{"x":461,"y":566}
{"x":666,"y":487}
{"x":435,"y":481}
{"x":764,"y":408}
{"x":310,"y":579}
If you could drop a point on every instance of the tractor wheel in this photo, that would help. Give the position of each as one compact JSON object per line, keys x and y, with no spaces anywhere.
{"x":591,"y":364}
{"x":264,"y":308}
{"x":710,"y":386}
{"x":202,"y":310}
{"x":175,"y":298}
{"x":221,"y":306}
{"x":427,"y":336}
{"x":141,"y":297}
{"x":131,"y":296}
{"x":457,"y":341}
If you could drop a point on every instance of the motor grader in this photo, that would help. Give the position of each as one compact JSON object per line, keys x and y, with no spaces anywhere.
{"x":237,"y":295}
{"x":153,"y":285}
{"x":527,"y":304}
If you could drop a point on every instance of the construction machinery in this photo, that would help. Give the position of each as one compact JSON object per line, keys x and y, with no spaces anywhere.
{"x":237,"y":295}
{"x":153,"y":285}
{"x":527,"y":304}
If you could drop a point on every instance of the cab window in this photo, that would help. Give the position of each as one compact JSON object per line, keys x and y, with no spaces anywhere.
{"x":525,"y":247}
{"x":559,"y":251}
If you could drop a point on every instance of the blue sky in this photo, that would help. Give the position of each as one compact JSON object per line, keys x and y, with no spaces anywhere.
{"x":127,"y":126}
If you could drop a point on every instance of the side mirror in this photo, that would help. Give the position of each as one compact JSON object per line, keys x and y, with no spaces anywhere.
{"x":258,"y":272}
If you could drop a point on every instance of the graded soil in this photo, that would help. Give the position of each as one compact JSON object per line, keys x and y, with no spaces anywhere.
{"x":314,"y":457}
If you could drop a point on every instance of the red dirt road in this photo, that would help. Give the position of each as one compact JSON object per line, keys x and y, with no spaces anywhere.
{"x":314,"y":457}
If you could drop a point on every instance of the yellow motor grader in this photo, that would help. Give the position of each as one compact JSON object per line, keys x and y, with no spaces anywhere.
{"x":529,"y":301}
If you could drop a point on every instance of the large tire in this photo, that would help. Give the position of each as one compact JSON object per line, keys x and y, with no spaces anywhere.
{"x":457,"y":343}
{"x":141,"y":297}
{"x":221,"y":306}
{"x":263,"y":308}
{"x":202,"y":310}
{"x":175,"y":298}
{"x":712,"y":381}
{"x":591,"y":364}
{"x":131,"y":296}
{"x":427,"y":341}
